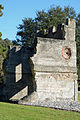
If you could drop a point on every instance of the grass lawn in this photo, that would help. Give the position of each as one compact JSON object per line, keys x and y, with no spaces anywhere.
{"x":20,"y":112}
{"x":78,"y":97}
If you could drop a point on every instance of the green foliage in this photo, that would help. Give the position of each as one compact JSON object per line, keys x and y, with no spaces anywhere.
{"x":43,"y":21}
{"x":56,"y":16}
{"x":78,"y":43}
{"x":27,"y":31}
{"x":20,"y":112}
{"x":1,"y":13}
{"x":1,"y":50}
{"x":70,"y":12}
{"x":3,"y":53}
{"x":1,"y":8}
{"x":78,"y":97}
{"x":14,"y":42}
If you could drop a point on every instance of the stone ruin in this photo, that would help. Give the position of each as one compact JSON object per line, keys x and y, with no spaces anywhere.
{"x":48,"y":75}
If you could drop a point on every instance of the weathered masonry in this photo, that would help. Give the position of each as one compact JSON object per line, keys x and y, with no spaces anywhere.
{"x":53,"y":67}
{"x":19,"y":80}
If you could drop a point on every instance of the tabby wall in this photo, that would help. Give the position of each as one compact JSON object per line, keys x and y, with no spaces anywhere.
{"x":55,"y":67}
{"x":19,"y":80}
{"x":48,"y":75}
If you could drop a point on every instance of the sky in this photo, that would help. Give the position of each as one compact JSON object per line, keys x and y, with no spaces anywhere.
{"x":16,"y":10}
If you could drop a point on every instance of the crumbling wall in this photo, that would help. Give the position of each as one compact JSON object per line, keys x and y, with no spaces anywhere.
{"x":55,"y":71}
{"x":19,"y":80}
{"x":50,"y":75}
{"x":55,"y":67}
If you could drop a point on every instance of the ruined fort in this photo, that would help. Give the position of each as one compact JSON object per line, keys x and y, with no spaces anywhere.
{"x":48,"y":75}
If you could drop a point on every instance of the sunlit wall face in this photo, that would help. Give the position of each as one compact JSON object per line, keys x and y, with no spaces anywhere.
{"x":19,"y":72}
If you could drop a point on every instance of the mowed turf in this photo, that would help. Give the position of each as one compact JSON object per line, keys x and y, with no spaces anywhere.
{"x":20,"y":112}
{"x":79,"y":97}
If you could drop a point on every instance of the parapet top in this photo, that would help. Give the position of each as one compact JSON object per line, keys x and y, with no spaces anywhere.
{"x":71,"y":23}
{"x":63,"y":32}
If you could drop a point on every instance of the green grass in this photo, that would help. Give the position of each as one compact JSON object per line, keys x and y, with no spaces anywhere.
{"x":20,"y":112}
{"x":78,"y":97}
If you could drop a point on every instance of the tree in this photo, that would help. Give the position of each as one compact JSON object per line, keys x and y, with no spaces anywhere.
{"x":78,"y":43}
{"x":42,"y":20}
{"x":3,"y":53}
{"x":70,"y":12}
{"x":1,"y":13}
{"x":0,"y":36}
{"x":14,"y":42}
{"x":1,"y":8}
{"x":27,"y":31}
{"x":56,"y":16}
{"x":1,"y":49}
